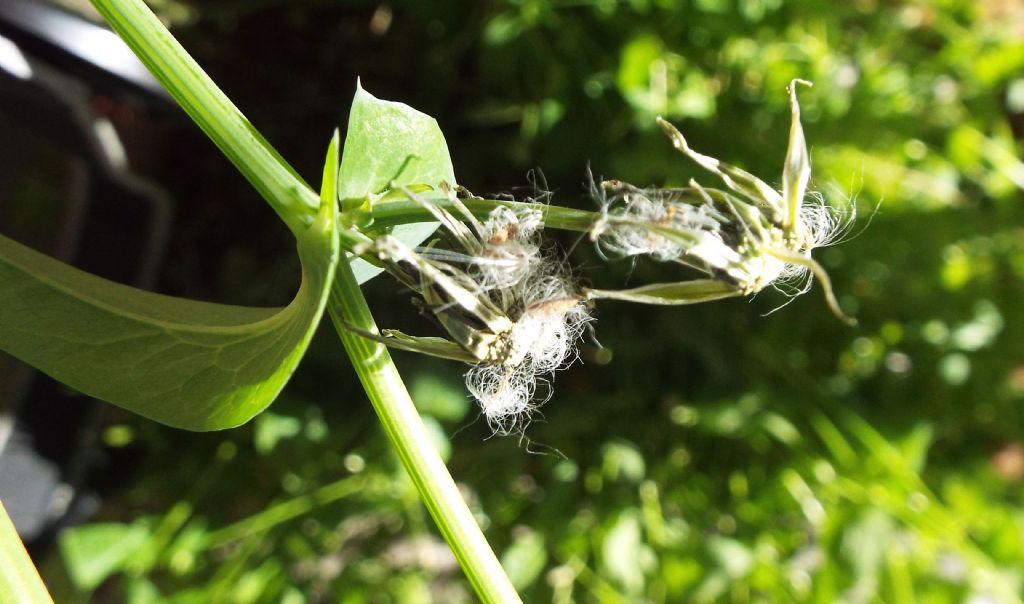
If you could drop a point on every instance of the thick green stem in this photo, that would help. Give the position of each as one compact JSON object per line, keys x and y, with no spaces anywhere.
{"x":212,"y":110}
{"x":408,"y":435}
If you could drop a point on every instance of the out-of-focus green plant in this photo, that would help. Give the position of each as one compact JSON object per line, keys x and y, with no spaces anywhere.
{"x":725,"y":458}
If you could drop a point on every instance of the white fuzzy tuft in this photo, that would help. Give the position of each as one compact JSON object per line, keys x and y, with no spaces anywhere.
{"x":825,"y":225}
{"x":549,"y":320}
{"x":505,"y":395}
{"x":509,"y":249}
{"x":749,"y":236}
{"x":506,"y":270}
{"x":511,"y":308}
{"x":630,"y":213}
{"x":685,"y":226}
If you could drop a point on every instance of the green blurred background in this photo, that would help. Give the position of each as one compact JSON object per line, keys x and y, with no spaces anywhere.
{"x":704,"y":454}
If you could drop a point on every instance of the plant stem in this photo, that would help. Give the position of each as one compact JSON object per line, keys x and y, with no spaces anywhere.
{"x":409,"y":436}
{"x":391,"y":213}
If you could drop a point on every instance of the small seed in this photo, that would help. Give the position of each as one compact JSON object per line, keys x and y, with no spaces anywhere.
{"x":553,"y":306}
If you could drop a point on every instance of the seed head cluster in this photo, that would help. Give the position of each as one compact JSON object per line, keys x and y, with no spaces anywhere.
{"x":689,"y":227}
{"x":512,"y":310}
{"x":508,"y":304}
{"x":548,"y":317}
{"x":747,"y":235}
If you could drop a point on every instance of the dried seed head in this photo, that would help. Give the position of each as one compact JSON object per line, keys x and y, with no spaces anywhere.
{"x":661,"y":223}
{"x":511,"y":308}
{"x":498,"y":252}
{"x":549,"y":318}
{"x":748,"y":235}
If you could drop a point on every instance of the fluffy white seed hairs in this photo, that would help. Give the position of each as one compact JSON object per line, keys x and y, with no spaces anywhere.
{"x":548,"y":319}
{"x":628,"y":213}
{"x":510,"y":308}
{"x":746,"y":236}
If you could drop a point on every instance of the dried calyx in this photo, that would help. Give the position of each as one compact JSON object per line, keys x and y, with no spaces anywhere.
{"x":744,"y":237}
{"x":508,"y":307}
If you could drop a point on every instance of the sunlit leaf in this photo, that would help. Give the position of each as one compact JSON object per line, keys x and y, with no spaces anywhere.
{"x":623,"y":460}
{"x":443,"y":399}
{"x":525,"y":558}
{"x":94,"y":552}
{"x":272,"y":428}
{"x":390,"y":144}
{"x":623,"y":552}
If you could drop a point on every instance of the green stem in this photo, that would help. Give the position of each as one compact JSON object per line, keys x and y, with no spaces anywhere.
{"x":391,"y":213}
{"x":212,"y":111}
{"x":409,"y":436}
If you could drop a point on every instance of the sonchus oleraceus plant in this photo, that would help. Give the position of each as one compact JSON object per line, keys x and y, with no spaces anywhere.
{"x":506,"y":303}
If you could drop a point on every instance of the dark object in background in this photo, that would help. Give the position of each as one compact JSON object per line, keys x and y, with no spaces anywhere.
{"x":66,"y":189}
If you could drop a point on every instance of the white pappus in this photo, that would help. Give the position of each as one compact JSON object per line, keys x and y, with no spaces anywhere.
{"x":510,"y":308}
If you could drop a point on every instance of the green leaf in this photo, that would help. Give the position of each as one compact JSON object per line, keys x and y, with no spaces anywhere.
{"x":188,"y":364}
{"x":391,"y":144}
{"x":140,"y":590}
{"x":444,"y":399}
{"x":623,"y":552}
{"x":731,"y":555}
{"x":525,"y":559}
{"x":19,"y":579}
{"x":95,"y":551}
{"x":622,"y":459}
{"x":272,"y":428}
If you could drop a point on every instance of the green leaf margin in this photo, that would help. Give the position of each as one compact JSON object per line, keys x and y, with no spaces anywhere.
{"x":184,"y":363}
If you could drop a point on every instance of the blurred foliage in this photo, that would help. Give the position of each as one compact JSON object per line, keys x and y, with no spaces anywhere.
{"x":705,"y":454}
